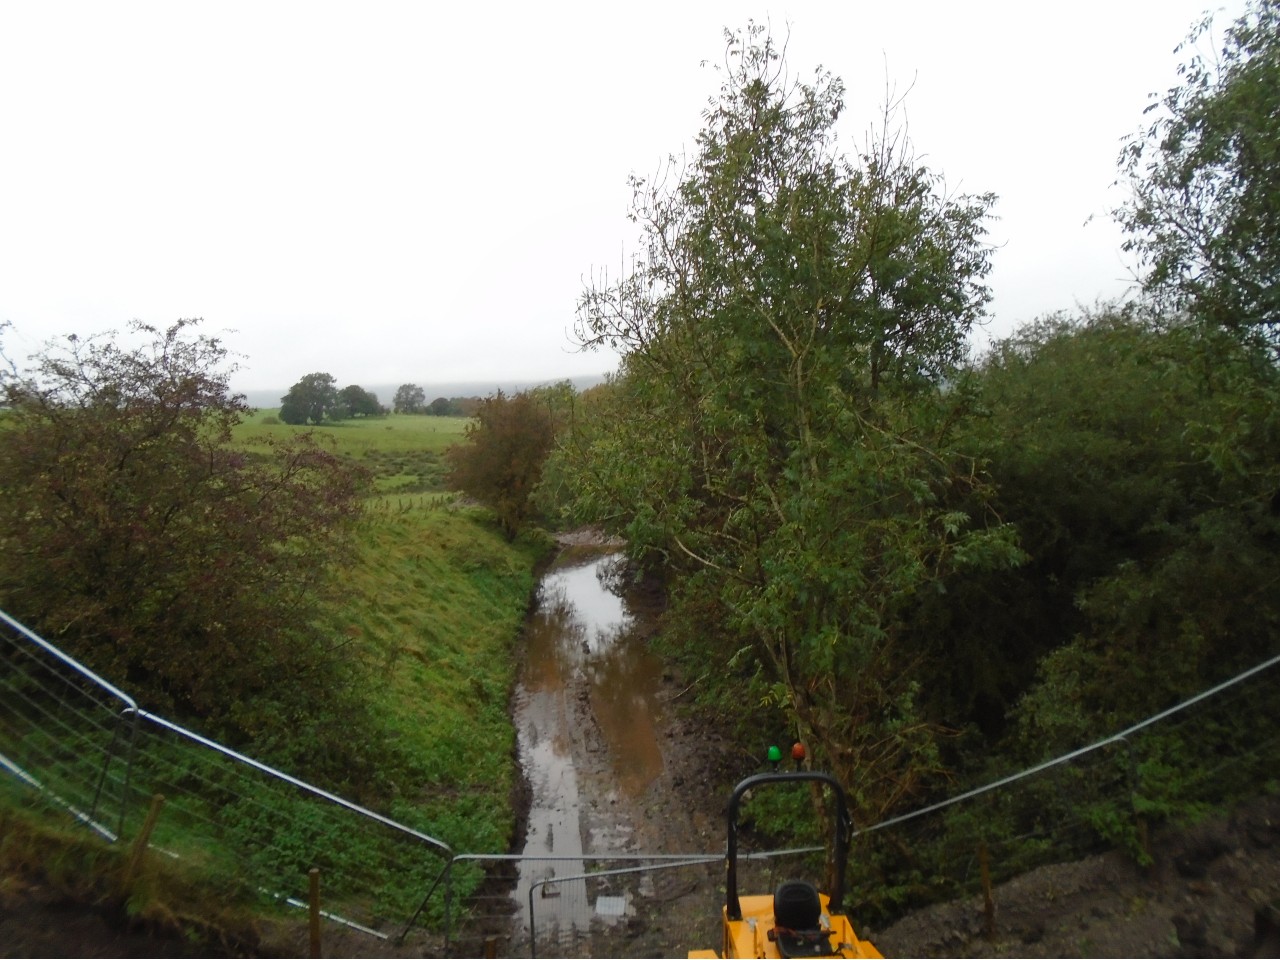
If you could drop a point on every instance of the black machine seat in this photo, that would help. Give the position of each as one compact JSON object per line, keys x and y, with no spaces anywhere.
{"x":797,"y":921}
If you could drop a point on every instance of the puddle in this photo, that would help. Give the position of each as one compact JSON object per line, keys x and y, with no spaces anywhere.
{"x":582,"y":661}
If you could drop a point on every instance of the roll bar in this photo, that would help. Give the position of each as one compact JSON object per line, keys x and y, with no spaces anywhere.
{"x":840,"y":852}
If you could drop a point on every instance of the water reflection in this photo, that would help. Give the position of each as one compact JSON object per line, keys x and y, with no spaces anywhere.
{"x":581,"y":651}
{"x":624,"y":699}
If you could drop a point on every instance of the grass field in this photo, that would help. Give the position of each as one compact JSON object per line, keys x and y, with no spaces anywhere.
{"x":433,"y":604}
{"x":404,"y":452}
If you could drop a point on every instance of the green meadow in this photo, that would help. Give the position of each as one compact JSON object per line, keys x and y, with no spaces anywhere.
{"x":404,"y":452}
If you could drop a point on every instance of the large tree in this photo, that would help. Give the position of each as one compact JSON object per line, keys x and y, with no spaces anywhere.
{"x":409,"y":398}
{"x":139,"y":538}
{"x":780,"y":437}
{"x":1204,"y":210}
{"x":311,"y":400}
{"x":359,"y":402}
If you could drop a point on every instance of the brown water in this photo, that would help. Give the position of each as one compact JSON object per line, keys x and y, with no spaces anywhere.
{"x":586,"y":713}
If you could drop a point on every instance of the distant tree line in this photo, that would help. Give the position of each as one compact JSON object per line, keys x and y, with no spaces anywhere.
{"x":411,"y":398}
{"x":316,"y":399}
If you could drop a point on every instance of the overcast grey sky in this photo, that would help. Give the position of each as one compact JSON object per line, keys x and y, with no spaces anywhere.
{"x":396,"y":192}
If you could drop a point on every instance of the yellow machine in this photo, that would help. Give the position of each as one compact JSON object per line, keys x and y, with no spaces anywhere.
{"x":796,"y":920}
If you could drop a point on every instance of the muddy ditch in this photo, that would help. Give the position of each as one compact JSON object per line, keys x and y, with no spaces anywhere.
{"x":611,"y":770}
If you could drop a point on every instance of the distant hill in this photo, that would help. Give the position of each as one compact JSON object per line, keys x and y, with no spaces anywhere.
{"x":476,"y":388}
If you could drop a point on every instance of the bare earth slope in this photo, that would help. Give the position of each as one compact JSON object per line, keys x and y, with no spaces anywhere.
{"x":1207,"y":890}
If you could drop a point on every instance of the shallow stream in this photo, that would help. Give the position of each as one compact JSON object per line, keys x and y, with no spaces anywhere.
{"x":586,"y":711}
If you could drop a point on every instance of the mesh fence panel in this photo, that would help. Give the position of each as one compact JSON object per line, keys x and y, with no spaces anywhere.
{"x":270,"y":832}
{"x":80,"y":746}
{"x":60,"y":730}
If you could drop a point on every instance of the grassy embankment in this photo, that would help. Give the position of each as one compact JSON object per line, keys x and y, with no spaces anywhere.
{"x":432,"y":605}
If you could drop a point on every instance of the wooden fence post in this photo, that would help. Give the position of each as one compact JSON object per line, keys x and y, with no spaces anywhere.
{"x":314,"y":910}
{"x":988,"y":901}
{"x":140,"y":843}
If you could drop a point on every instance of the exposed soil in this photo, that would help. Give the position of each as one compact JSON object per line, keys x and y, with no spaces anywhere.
{"x":40,"y":923}
{"x":1211,"y":892}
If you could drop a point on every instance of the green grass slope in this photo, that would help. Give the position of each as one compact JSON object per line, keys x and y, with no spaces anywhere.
{"x":430,"y":609}
{"x":432,"y":605}
{"x":435,"y":604}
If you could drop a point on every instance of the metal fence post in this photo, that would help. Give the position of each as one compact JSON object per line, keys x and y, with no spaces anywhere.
{"x":132,"y":714}
{"x":448,"y":903}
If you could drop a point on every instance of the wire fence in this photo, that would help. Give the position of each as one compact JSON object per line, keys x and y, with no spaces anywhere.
{"x":86,"y":748}
{"x":71,"y":740}
{"x":61,"y":727}
{"x":1216,"y":747}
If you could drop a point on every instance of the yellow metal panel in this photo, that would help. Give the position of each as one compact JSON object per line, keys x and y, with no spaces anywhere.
{"x":749,"y":937}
